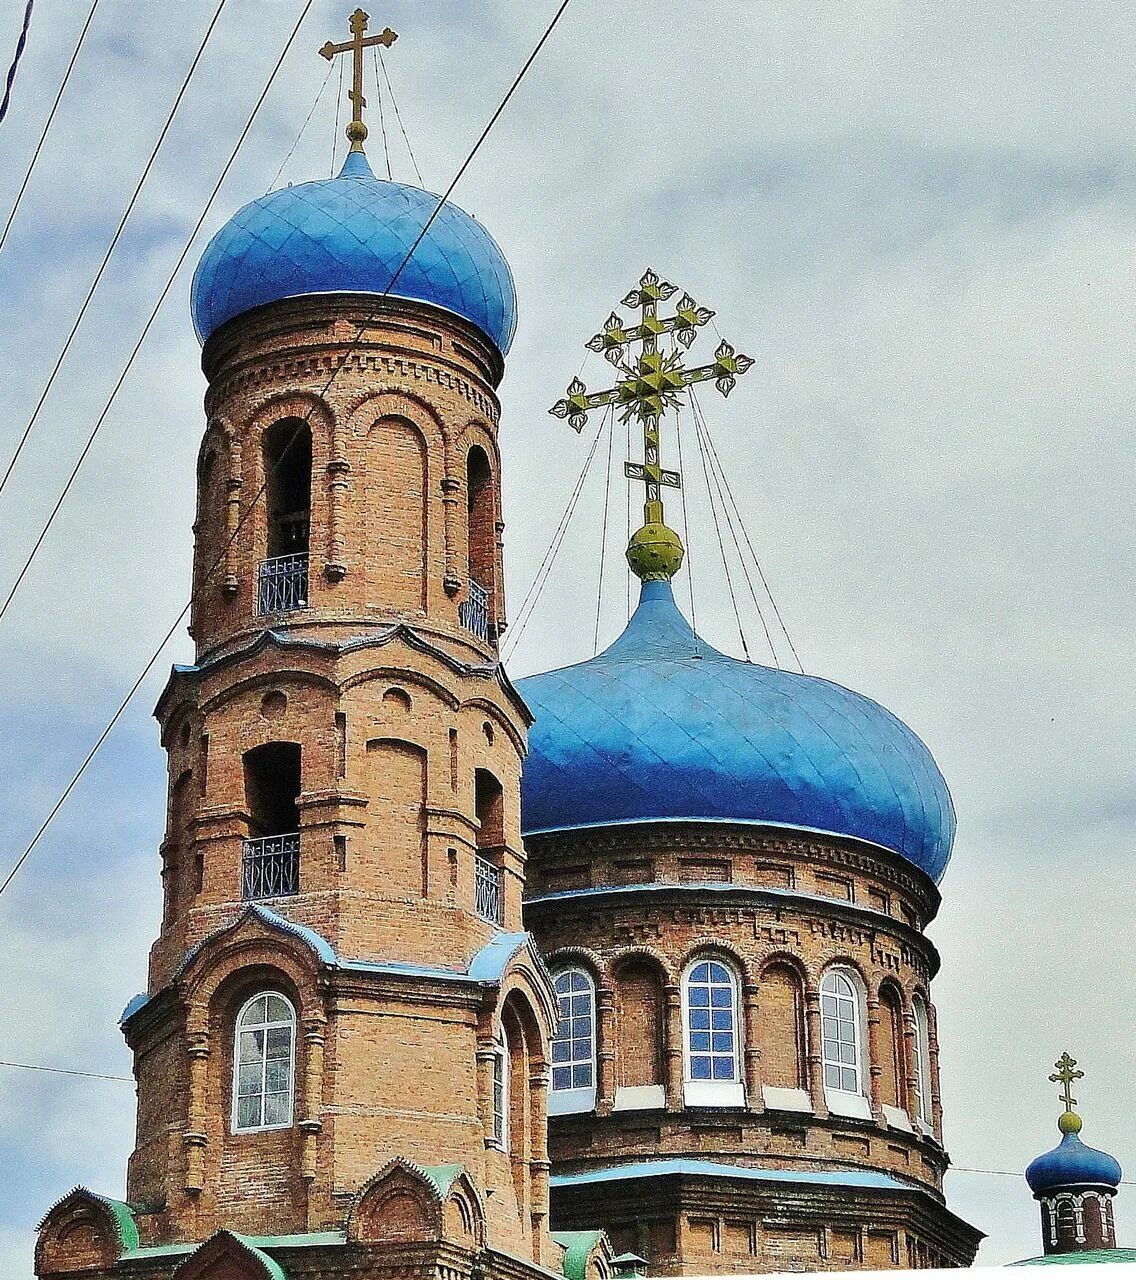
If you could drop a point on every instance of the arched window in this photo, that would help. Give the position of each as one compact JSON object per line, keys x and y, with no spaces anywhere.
{"x":574,"y":1045}
{"x":482,"y":545}
{"x":922,"y":1062}
{"x":712,"y":1040}
{"x":842,"y":1040}
{"x":264,"y":1063}
{"x":282,"y":579}
{"x":501,"y":1093}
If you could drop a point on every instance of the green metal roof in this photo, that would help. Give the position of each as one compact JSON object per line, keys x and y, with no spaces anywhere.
{"x":578,"y":1246}
{"x":1083,"y":1257}
{"x":442,"y":1176}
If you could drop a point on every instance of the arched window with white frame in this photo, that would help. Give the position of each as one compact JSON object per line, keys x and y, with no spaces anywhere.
{"x":501,"y":1092}
{"x":574,"y":1045}
{"x":843,"y":1043}
{"x":264,"y":1063}
{"x":711,"y":1035}
{"x":922,"y":1064}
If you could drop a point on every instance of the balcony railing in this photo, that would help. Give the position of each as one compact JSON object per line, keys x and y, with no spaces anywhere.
{"x":282,"y":584}
{"x":487,"y":890}
{"x":270,"y":866}
{"x":473,"y":612}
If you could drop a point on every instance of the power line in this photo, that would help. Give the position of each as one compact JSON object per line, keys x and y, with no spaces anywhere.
{"x":382,"y":117}
{"x":152,"y":317}
{"x":111,"y":247}
{"x":368,"y":320}
{"x":20,"y":43}
{"x":603,"y":532}
{"x":47,"y":126}
{"x":303,"y":127}
{"x":66,"y":1071}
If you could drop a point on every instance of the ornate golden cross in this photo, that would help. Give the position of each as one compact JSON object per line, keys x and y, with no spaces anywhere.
{"x":651,"y":382}
{"x":357,"y":130}
{"x":1065,"y":1075}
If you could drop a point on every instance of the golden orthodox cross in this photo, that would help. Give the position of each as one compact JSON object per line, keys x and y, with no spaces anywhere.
{"x":653,"y":381}
{"x":357,"y":130}
{"x":1065,"y":1075}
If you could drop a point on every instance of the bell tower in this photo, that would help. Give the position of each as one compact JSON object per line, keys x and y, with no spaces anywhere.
{"x":344,"y":1042}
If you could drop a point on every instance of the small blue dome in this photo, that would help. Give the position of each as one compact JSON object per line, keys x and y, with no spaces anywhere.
{"x":660,"y":726}
{"x":1072,"y":1164}
{"x":349,"y":235}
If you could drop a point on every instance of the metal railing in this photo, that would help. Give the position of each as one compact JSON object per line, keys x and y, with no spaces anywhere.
{"x":270,"y":866}
{"x":473,"y":612}
{"x":282,"y":584}
{"x":487,"y":896}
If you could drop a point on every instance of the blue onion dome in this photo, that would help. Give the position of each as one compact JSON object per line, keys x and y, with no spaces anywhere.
{"x":1071,"y":1163}
{"x":662,"y":727}
{"x":350,"y":234}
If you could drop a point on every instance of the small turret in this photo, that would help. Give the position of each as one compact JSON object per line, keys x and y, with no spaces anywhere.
{"x":1074,"y":1183}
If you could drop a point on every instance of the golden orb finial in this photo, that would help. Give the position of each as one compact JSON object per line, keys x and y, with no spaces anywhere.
{"x":655,"y":553}
{"x":1069,"y":1122}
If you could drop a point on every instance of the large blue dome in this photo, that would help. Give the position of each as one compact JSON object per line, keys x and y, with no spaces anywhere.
{"x":1072,"y":1164}
{"x":349,"y":235}
{"x":660,"y":726}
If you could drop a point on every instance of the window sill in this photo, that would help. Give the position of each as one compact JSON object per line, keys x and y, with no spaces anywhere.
{"x":853,"y":1105}
{"x":897,"y":1118}
{"x":640,"y":1097}
{"x":713,"y":1093}
{"x":566,"y":1102}
{"x":776,"y":1099}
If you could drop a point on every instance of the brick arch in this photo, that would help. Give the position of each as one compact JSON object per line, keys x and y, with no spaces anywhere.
{"x":639,"y":978}
{"x":398,"y":1205}
{"x":397,"y":781}
{"x":83,"y":1231}
{"x":463,"y":1214}
{"x":270,"y":679}
{"x":225,"y":1256}
{"x":893,"y":1082}
{"x":494,"y":712}
{"x":782,"y":1026}
{"x":582,"y":957}
{"x":308,"y":406}
{"x":404,"y":676}
{"x":669,"y":974}
{"x":397,"y":482}
{"x":718,"y":950}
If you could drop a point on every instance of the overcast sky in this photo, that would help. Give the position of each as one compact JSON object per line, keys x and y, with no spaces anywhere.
{"x":918,"y":217}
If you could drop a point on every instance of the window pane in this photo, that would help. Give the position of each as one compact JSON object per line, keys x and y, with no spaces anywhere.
{"x":561,"y":1077}
{"x":700,"y":1019}
{"x":848,"y":1080}
{"x":723,"y":1020}
{"x":581,"y":1028}
{"x":561,"y":1050}
{"x":280,"y":1042}
{"x":723,"y":1068}
{"x":248,"y":1112}
{"x":582,"y":1076}
{"x":276,"y":1108}
{"x":255,"y":1012}
{"x":721,"y":997}
{"x":564,"y":982}
{"x":828,"y":1006}
{"x":718,"y":973}
{"x":700,"y":973}
{"x":278,"y":1009}
{"x":252,"y":1046}
{"x":848,"y":1054}
{"x":581,"y":1006}
{"x":699,"y":1041}
{"x":723,"y":1042}
{"x":277,"y":1075}
{"x":700,"y":1068}
{"x":831,"y":1076}
{"x":248,"y":1079}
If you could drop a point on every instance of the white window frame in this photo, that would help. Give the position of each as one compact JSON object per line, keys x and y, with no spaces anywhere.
{"x":923,"y":1114}
{"x":574,"y":1098}
{"x":840,"y":1099}
{"x":720,"y":1092}
{"x":499,"y":1101}
{"x":264,"y":1026}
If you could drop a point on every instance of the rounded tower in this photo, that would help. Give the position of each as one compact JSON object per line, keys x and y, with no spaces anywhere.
{"x":731,"y":871}
{"x":343,"y":1047}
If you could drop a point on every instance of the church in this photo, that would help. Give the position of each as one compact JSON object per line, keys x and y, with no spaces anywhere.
{"x":618,"y":969}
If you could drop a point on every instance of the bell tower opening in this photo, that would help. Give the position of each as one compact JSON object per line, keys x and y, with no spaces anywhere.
{"x":283,"y":578}
{"x":271,"y":856}
{"x":489,"y":808}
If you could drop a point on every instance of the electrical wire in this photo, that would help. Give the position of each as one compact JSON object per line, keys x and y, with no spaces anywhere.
{"x":721,"y":544}
{"x":47,"y":125}
{"x":112,"y":246}
{"x":150,"y":320}
{"x":745,"y":535}
{"x":549,"y":29}
{"x":382,"y":117}
{"x":532,"y":596}
{"x":627,"y":484}
{"x":20,"y":44}
{"x":398,"y":115}
{"x":603,"y":532}
{"x":338,"y":109}
{"x":303,"y":127}
{"x":686,"y":540}
{"x":66,"y":1071}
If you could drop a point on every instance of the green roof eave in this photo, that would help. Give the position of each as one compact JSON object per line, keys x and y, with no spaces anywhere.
{"x":1081,"y":1257}
{"x":442,"y":1176}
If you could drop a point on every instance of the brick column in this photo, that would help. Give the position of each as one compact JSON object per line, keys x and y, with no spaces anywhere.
{"x":816,"y":1060}
{"x":672,"y":1046}
{"x":312,"y":1099}
{"x":875,"y":1056}
{"x":752,"y":1063}
{"x":232,"y":518}
{"x":909,"y":1064}
{"x":933,"y":1057}
{"x":452,"y":489}
{"x":605,"y":1044}
{"x":194,"y":1138}
{"x":338,"y":482}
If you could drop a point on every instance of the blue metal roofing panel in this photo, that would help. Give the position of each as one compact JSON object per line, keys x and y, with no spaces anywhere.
{"x":662,"y":726}
{"x":715,"y":1169}
{"x":350,"y":234}
{"x":1071,"y":1163}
